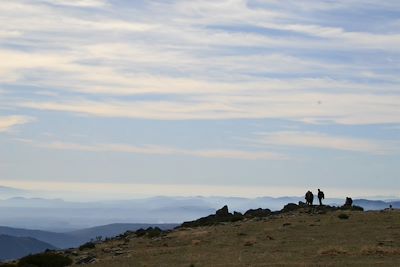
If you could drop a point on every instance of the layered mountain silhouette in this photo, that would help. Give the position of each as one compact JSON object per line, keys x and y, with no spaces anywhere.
{"x":77,"y":238}
{"x":12,"y":247}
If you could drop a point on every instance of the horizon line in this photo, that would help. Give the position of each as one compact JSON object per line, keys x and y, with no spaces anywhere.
{"x":121,"y":191}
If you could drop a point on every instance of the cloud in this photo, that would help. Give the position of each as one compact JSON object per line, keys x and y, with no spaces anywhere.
{"x":9,"y":122}
{"x":159,"y":150}
{"x":9,"y":34}
{"x":78,"y":3}
{"x":324,"y":141}
{"x":201,"y":60}
{"x":305,"y":107}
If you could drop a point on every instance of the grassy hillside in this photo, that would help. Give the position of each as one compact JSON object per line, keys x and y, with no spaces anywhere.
{"x":296,"y":238}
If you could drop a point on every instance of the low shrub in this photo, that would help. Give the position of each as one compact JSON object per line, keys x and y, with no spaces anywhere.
{"x":45,"y":260}
{"x":153,"y":232}
{"x":343,"y":216}
{"x":88,"y":245}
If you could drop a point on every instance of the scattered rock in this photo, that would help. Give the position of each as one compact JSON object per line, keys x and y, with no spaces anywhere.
{"x":107,"y":250}
{"x":87,"y":260}
{"x":333,"y":251}
{"x":270,"y":237}
{"x":196,"y":242}
{"x":118,"y":252}
{"x":250,"y":243}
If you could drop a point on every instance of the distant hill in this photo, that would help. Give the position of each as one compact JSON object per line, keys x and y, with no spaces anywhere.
{"x":376,"y":204}
{"x":59,"y":240}
{"x":77,"y":238}
{"x":12,"y":247}
{"x":115,"y":229}
{"x":7,"y":192}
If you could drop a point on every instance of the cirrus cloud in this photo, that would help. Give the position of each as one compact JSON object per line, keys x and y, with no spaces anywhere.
{"x":7,"y":123}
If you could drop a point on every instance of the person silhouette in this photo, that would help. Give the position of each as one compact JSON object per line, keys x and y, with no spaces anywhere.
{"x":349,"y":202}
{"x":321,"y":196}
{"x":309,"y":198}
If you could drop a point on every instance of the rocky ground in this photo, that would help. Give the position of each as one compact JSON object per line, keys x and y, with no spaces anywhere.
{"x":296,"y":236}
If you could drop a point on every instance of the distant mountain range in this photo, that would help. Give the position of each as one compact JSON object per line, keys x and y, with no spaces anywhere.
{"x":16,"y":243}
{"x":376,"y":204}
{"x":57,"y":215}
{"x":78,"y":237}
{"x":7,"y":192}
{"x":12,"y":247}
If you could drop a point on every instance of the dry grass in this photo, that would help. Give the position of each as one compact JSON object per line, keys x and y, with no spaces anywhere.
{"x":330,"y":241}
{"x":379,"y":250}
{"x":333,"y":251}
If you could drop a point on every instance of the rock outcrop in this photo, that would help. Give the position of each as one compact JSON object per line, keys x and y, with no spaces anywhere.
{"x":221,"y":215}
{"x":257,"y":213}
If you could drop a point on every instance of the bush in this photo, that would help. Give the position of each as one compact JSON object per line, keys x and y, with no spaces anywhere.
{"x":343,"y":216}
{"x":88,"y":245}
{"x":45,"y":260}
{"x":140,"y":232}
{"x":153,"y":232}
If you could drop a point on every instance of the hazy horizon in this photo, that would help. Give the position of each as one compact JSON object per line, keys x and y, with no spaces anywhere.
{"x":113,"y":192}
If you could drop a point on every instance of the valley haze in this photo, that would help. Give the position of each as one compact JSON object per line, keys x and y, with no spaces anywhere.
{"x":19,"y":209}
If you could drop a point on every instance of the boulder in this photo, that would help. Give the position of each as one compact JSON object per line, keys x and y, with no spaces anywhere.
{"x":290,"y":207}
{"x":257,"y":213}
{"x":223,"y":212}
{"x":303,"y":204}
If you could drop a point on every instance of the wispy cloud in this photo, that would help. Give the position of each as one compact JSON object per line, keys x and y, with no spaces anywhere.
{"x":8,"y":122}
{"x":305,"y":107}
{"x":324,"y":141}
{"x":78,"y":3}
{"x":202,"y":60}
{"x":158,"y":150}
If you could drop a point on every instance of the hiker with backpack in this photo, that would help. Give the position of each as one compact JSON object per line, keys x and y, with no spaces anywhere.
{"x":321,"y":196}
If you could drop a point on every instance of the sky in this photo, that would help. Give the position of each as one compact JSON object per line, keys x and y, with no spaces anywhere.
{"x":174,"y":97}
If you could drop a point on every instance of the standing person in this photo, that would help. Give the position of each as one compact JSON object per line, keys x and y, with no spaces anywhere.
{"x":321,"y":196}
{"x":309,"y":198}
